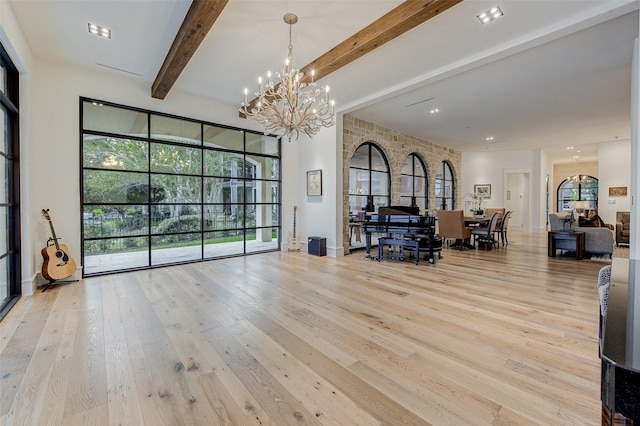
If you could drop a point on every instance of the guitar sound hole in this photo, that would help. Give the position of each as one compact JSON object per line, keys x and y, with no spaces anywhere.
{"x":59,"y":254}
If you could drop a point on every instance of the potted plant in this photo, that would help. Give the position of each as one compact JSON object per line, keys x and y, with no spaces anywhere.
{"x":477,"y":210}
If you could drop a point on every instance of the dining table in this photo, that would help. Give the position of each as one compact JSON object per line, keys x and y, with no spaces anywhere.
{"x":473,"y":221}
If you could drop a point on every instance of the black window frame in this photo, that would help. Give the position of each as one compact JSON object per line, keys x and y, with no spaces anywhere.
{"x":150,"y":173}
{"x":9,"y":102}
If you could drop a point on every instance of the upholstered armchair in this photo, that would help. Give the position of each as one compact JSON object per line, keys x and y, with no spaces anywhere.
{"x":623,"y":227}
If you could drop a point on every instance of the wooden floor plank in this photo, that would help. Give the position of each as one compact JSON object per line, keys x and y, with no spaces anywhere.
{"x":484,"y":337}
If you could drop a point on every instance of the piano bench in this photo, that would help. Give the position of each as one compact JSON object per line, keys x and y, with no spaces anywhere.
{"x":413,"y":245}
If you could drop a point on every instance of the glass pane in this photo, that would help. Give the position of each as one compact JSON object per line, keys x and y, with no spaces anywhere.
{"x":219,"y":137}
{"x":218,"y":163}
{"x":114,"y":187}
{"x":406,"y":186}
{"x":262,"y":167}
{"x":360,"y":158}
{"x":115,"y":153}
{"x":420,"y":186}
{"x":176,"y":248}
{"x":262,"y":239}
{"x":419,"y":169}
{"x":176,"y":159}
{"x":115,"y":254}
{"x":4,"y":278}
{"x":114,"y":221}
{"x":438,"y":188}
{"x":261,"y":191}
{"x":380,"y":202}
{"x":223,"y":216}
{"x":4,"y":145}
{"x":261,"y":215}
{"x":405,"y":201}
{"x":176,"y":189}
{"x":261,"y":144}
{"x":379,"y":183}
{"x":4,"y":175}
{"x":358,"y":181}
{"x":407,"y":167}
{"x":3,"y":81}
{"x":103,"y":118}
{"x":377,"y":160}
{"x":223,"y":190}
{"x":4,"y":226}
{"x":448,"y":189}
{"x":447,"y":170}
{"x":170,"y":219}
{"x":175,"y":130}
{"x":357,"y":204}
{"x":224,"y":243}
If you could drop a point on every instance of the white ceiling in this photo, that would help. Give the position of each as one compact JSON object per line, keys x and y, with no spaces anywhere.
{"x":548,"y":74}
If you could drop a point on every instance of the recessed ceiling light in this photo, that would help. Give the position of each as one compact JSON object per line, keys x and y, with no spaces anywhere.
{"x":434,"y":110}
{"x":490,"y":138}
{"x":490,"y":15}
{"x":100,"y":31}
{"x":569,"y":147}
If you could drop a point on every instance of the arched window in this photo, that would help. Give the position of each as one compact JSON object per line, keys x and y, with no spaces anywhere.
{"x":578,"y":188}
{"x":445,"y":187}
{"x":369,"y":180}
{"x":413,"y":183}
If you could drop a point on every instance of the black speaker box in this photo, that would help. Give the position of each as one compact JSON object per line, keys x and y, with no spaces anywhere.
{"x":317,"y":246}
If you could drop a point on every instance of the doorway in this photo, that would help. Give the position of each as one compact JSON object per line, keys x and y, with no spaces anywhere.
{"x":518,"y":192}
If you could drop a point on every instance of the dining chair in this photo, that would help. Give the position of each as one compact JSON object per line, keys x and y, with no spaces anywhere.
{"x":451,"y":225}
{"x":485,"y":234}
{"x":501,"y":228}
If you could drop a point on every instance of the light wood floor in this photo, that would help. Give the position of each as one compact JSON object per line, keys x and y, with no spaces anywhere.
{"x":507,"y":336}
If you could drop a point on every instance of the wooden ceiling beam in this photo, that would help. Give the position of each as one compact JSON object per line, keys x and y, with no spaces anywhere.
{"x":199,"y":19}
{"x":398,"y":21}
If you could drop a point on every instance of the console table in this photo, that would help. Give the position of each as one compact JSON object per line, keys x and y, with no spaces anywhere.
{"x":576,"y":237}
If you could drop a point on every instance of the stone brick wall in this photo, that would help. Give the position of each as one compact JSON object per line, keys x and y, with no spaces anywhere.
{"x":396,"y":147}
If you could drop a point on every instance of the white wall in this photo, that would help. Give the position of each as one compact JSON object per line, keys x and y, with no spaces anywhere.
{"x":494,"y":167}
{"x":318,"y":215}
{"x":614,"y":169}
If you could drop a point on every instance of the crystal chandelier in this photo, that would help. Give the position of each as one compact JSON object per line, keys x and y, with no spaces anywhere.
{"x":291,"y":106}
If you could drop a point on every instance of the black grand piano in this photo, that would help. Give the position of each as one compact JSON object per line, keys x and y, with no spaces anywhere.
{"x":402,"y":230}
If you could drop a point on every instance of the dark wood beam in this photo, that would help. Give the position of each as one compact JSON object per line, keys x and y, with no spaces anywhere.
{"x":199,"y":19}
{"x":398,"y":21}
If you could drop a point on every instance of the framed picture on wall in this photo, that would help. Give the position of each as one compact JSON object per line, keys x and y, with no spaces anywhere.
{"x":314,"y":182}
{"x":483,"y":190}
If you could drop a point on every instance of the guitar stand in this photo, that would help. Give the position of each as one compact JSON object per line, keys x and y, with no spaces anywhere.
{"x":48,"y":285}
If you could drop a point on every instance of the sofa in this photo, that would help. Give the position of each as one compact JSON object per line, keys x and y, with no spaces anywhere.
{"x":623,"y":227}
{"x":597,"y":240}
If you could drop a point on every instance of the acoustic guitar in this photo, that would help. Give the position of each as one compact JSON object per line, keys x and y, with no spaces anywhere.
{"x":294,"y":243}
{"x":57,"y":262}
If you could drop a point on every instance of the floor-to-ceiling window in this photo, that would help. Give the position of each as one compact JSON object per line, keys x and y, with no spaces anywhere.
{"x":413,"y":183}
{"x":369,"y":179}
{"x":160,"y":189}
{"x":445,"y":187}
{"x":10,"y":271}
{"x":578,"y":188}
